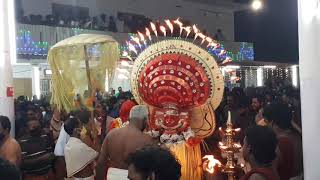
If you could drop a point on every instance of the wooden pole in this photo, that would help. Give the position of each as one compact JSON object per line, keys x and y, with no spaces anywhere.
{"x":88,"y":69}
{"x":93,"y":133}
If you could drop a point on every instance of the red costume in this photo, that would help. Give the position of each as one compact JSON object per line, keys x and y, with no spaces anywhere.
{"x":125,"y":109}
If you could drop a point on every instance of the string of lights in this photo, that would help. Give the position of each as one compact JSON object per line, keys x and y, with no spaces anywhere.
{"x":246,"y":52}
{"x":27,"y":46}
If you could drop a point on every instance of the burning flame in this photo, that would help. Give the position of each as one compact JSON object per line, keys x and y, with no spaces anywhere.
{"x":210,"y":163}
{"x":209,"y":40}
{"x":136,"y":40}
{"x":148,"y":34}
{"x":213,"y":44}
{"x":237,"y":130}
{"x":203,"y":37}
{"x":154,"y":29}
{"x":179,"y":23}
{"x":188,"y":30}
{"x":229,"y":118}
{"x":222,"y":52}
{"x":223,"y":147}
{"x":196,"y":31}
{"x":228,"y":59}
{"x":164,"y":31}
{"x":237,"y":145}
{"x":169,"y":24}
{"x":132,"y":48}
{"x":141,"y":36}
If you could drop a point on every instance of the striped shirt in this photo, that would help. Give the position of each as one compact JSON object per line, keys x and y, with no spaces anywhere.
{"x":37,"y":154}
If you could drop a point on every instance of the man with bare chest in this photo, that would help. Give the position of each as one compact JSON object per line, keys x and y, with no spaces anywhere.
{"x":119,"y":143}
{"x":9,"y":148}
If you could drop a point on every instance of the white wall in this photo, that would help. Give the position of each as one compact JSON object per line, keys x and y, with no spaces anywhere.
{"x":207,"y":17}
{"x":309,"y":56}
{"x":22,"y":71}
{"x":7,"y":56}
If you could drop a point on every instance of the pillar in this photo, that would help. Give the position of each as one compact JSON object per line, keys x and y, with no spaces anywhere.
{"x":36,"y":81}
{"x":309,"y":59}
{"x":260,"y":76}
{"x":7,"y":56}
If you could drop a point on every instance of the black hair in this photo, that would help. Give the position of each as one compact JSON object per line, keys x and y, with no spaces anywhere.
{"x":230,"y":94}
{"x":243,"y":101}
{"x":71,"y":124}
{"x":157,"y":160}
{"x":238,"y":91}
{"x":8,"y":170}
{"x":278,"y":113}
{"x":83,"y":115}
{"x":32,"y":108}
{"x":259,"y":98}
{"x":263,"y":143}
{"x":33,"y":119}
{"x":5,"y":123}
{"x":122,"y":97}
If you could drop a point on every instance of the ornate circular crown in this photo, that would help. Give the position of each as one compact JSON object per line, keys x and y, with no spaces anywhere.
{"x":179,"y":73}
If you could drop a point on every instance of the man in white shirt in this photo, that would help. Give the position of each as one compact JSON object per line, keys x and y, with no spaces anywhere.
{"x":60,"y":165}
{"x":61,"y":142}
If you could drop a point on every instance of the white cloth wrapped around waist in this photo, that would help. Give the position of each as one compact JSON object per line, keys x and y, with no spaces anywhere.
{"x":117,"y":174}
{"x":87,"y":178}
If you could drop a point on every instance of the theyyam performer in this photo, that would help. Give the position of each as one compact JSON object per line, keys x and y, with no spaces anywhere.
{"x":182,"y":85}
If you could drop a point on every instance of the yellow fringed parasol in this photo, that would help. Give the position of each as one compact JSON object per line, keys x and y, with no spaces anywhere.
{"x":80,"y":65}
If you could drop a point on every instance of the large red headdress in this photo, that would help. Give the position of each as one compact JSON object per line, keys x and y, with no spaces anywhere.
{"x":182,"y":84}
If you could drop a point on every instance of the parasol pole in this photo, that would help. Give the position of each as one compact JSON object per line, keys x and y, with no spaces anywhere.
{"x":93,"y":133}
{"x":86,"y":59}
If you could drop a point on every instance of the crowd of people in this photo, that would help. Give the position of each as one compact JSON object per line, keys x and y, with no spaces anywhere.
{"x":53,"y":144}
{"x":121,"y":23}
{"x":270,"y":122}
{"x":101,"y":22}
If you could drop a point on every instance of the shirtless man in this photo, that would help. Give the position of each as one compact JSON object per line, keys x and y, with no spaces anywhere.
{"x":9,"y":148}
{"x":119,"y":143}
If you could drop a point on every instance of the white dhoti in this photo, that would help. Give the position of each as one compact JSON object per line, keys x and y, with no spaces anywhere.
{"x":117,"y":174}
{"x":87,"y":178}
